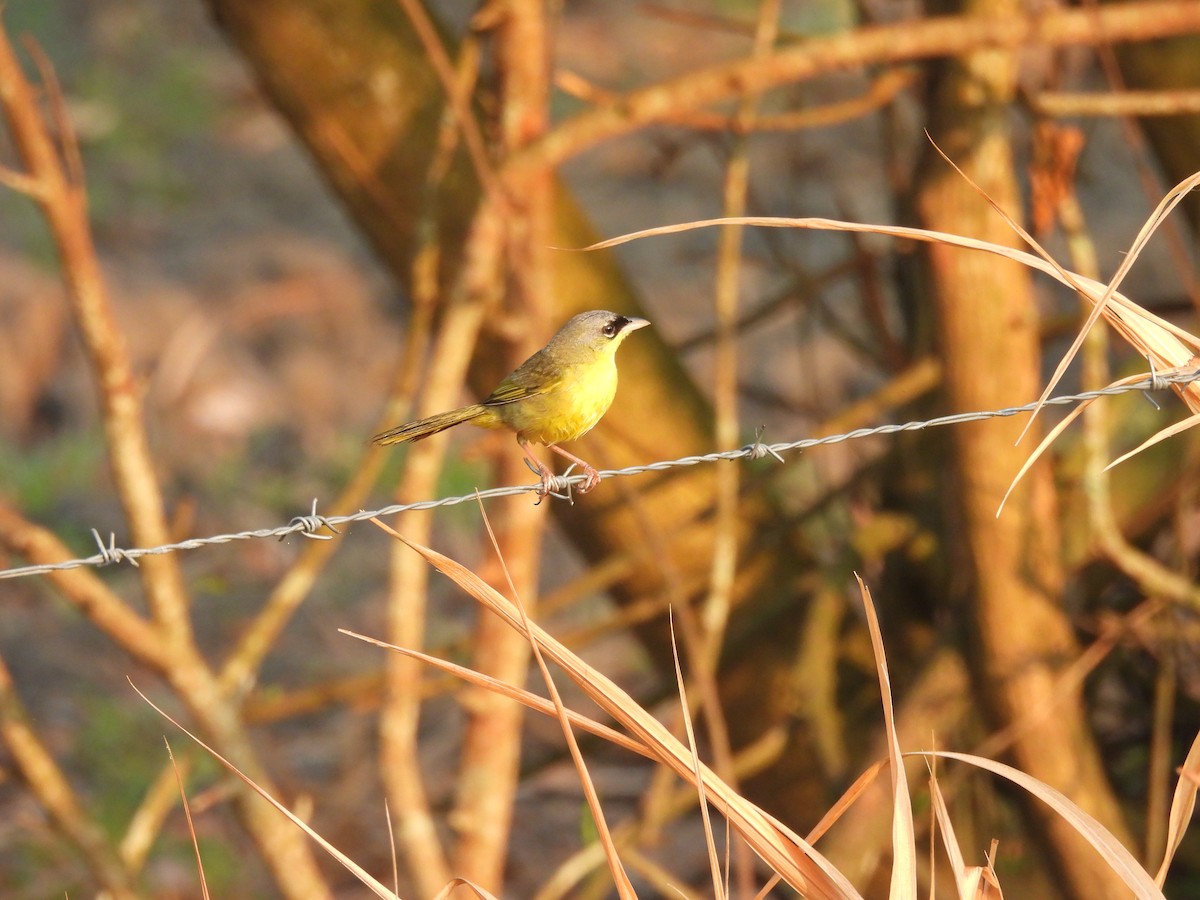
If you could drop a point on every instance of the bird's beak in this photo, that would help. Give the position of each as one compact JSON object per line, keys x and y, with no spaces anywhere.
{"x":636,"y":322}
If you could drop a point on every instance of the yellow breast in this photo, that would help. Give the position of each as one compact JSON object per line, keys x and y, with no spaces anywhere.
{"x":570,"y":410}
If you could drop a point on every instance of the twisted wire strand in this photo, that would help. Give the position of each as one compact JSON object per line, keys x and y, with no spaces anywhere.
{"x":310,"y":525}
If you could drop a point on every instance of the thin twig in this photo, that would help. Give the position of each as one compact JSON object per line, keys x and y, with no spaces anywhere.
{"x":880,"y":45}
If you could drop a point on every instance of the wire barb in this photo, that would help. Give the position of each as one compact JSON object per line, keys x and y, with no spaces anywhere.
{"x":1156,"y":384}
{"x":112,"y":553}
{"x":758,"y":449}
{"x":309,"y":525}
{"x":560,"y":485}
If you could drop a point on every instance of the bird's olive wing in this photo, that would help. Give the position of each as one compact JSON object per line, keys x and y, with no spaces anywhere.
{"x":511,"y":393}
{"x":538,"y":375}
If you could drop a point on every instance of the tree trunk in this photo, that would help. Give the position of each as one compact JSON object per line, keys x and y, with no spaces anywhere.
{"x":990,"y":346}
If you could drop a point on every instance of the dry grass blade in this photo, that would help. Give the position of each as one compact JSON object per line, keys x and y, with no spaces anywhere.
{"x":1168,"y":347}
{"x":351,"y":866}
{"x":620,"y":877}
{"x":1144,"y":332}
{"x":462,"y":882}
{"x":981,"y":883}
{"x":1173,"y":346}
{"x":1041,"y":448}
{"x":1142,"y":335}
{"x":904,"y":838}
{"x":851,"y":794}
{"x":1169,"y":431}
{"x":972,"y":882}
{"x":799,"y":864}
{"x":1110,"y":849}
{"x":1173,"y":198}
{"x":522,"y":696}
{"x":949,"y":838}
{"x":187,"y":812}
{"x":714,"y":862}
{"x":767,"y":888}
{"x":1075,"y":413}
{"x":1063,"y":274}
{"x":387,"y":817}
{"x":1183,"y":803}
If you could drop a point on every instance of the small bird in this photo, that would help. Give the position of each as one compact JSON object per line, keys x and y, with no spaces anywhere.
{"x":558,"y":394}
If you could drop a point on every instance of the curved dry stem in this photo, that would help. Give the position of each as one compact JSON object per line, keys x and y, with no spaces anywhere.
{"x":1169,"y":346}
{"x":146,"y":823}
{"x":879,"y":93}
{"x":890,"y":44}
{"x":454,"y":343}
{"x":1117,"y":103}
{"x":489,"y":769}
{"x":63,"y":203}
{"x":790,"y":855}
{"x":301,"y":826}
{"x":458,"y":98}
{"x":242,"y":666}
{"x":1113,"y":852}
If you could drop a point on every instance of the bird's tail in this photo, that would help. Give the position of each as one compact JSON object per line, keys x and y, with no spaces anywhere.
{"x":423,"y":428}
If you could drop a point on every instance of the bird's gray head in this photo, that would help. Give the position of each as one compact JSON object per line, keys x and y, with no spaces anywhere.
{"x":598,"y":332}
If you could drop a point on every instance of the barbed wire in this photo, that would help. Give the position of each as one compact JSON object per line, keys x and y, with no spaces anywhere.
{"x":560,"y":486}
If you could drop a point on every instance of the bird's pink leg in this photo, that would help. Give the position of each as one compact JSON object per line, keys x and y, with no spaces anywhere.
{"x":591,"y":477}
{"x":544,"y":473}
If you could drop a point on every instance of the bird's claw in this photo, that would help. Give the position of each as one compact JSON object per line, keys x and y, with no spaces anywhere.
{"x":591,"y":478}
{"x":537,"y":469}
{"x":560,"y":486}
{"x":550,"y":485}
{"x":554,"y":486}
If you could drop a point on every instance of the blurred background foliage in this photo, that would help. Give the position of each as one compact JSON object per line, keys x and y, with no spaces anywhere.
{"x":266,"y":290}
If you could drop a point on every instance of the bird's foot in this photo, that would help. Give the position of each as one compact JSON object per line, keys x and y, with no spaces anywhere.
{"x":551,"y":485}
{"x":591,"y":478}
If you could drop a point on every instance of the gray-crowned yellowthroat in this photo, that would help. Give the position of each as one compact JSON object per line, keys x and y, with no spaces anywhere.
{"x":558,"y":394}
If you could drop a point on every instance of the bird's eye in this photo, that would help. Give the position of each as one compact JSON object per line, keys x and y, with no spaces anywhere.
{"x":610,"y":329}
